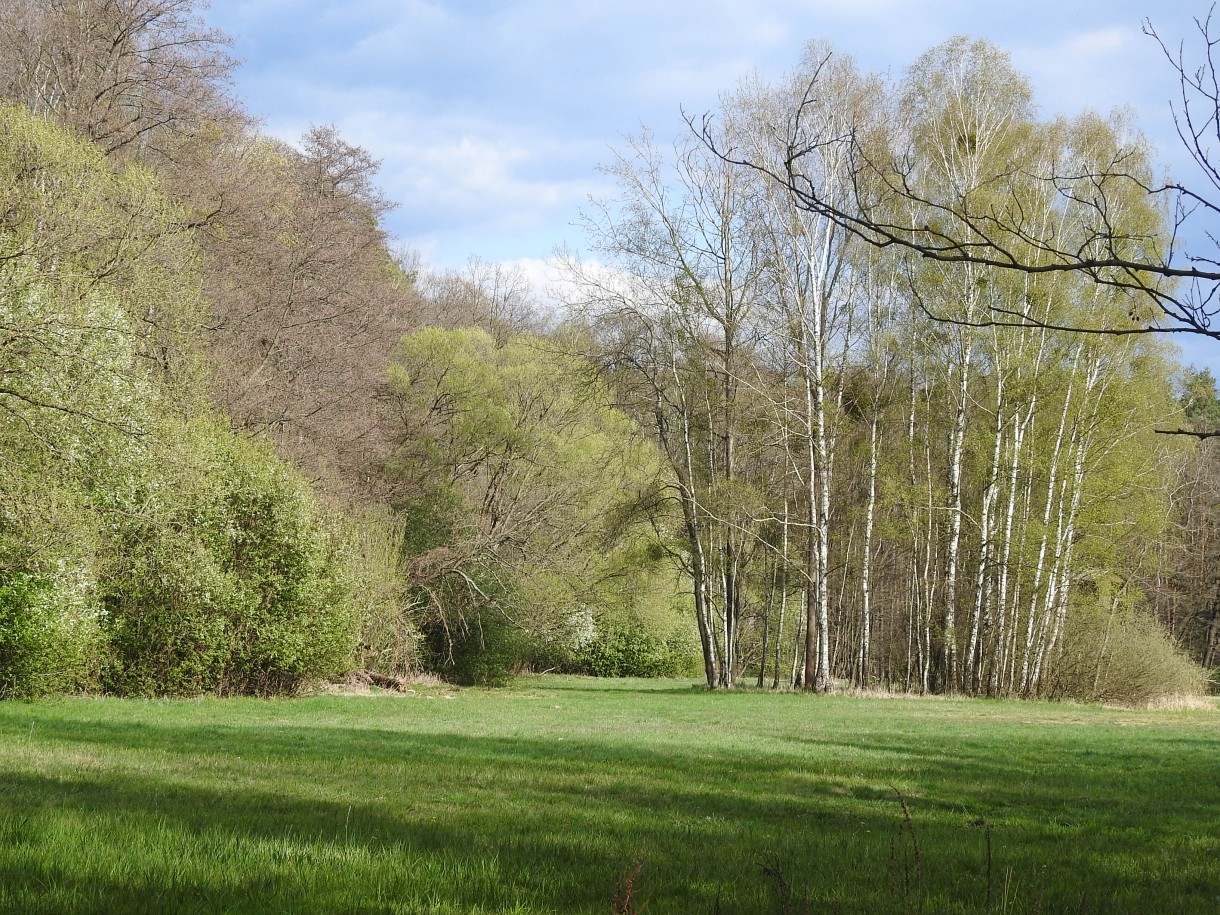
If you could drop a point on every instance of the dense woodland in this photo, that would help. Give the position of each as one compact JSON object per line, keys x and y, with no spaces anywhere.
{"x":248,"y":444}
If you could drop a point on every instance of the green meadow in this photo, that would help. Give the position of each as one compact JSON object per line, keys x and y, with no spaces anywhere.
{"x":564,"y":794}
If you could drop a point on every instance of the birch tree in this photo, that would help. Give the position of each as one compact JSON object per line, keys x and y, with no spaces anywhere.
{"x":811,"y":303}
{"x":679,"y":316}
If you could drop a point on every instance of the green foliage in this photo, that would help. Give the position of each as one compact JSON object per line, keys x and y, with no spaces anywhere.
{"x":372,"y":548}
{"x":98,"y":291}
{"x":1199,"y":399}
{"x":638,"y":623}
{"x":486,"y":648}
{"x":238,"y":587}
{"x":92,"y":337}
{"x":50,"y":551}
{"x":143,"y":545}
{"x":48,"y":644}
{"x":518,"y":481}
{"x":627,"y":648}
{"x":1128,"y":486}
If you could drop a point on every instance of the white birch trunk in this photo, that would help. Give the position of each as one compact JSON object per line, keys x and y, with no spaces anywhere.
{"x":1040,"y":570}
{"x":863,"y":656}
{"x":957,"y":444}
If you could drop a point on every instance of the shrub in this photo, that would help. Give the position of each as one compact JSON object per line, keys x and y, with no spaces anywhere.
{"x":484,"y":648}
{"x":240,"y":586}
{"x":168,"y":620}
{"x":626,"y":648}
{"x":140,"y":539}
{"x":49,"y":637}
{"x":1124,"y":657}
{"x":50,"y":616}
{"x":371,"y":565}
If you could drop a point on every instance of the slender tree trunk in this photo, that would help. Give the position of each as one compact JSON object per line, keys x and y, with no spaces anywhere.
{"x":690,"y":514}
{"x":1040,"y":569}
{"x":863,"y":655}
{"x":982,"y":581}
{"x":1081,"y":443}
{"x":948,"y":679}
{"x":797,"y":655}
{"x":783,"y":593}
{"x":999,"y":663}
{"x":768,"y":606}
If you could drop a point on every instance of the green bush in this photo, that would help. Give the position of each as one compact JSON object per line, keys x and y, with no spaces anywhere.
{"x":483,"y":648}
{"x":49,"y":637}
{"x":143,"y":544}
{"x":241,"y":586}
{"x":372,"y":550}
{"x":196,"y":563}
{"x":168,"y":620}
{"x":629,"y":649}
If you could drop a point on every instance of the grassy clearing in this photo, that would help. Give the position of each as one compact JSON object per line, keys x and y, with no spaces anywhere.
{"x":561,"y":794}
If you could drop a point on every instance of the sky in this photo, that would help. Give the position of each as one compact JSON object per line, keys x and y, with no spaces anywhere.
{"x":490,"y":117}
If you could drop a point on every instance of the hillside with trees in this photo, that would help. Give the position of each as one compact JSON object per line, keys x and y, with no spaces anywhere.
{"x":247,"y":444}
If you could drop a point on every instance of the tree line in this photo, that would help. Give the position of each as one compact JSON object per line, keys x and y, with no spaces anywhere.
{"x":249,"y":444}
{"x":878,"y":480}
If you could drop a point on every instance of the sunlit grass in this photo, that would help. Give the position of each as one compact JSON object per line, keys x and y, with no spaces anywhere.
{"x":545,"y":797}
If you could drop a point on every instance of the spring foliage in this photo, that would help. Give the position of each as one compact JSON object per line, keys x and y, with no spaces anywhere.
{"x":520,"y":483}
{"x":144,"y":547}
{"x":829,"y":452}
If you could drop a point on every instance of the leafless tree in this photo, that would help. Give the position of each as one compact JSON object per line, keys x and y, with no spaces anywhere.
{"x":306,"y":300}
{"x":1172,"y":280}
{"x":134,"y":76}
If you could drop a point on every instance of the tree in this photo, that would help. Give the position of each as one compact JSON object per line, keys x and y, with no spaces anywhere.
{"x":495,"y":297}
{"x":306,"y":301}
{"x":99,"y":306}
{"x":1186,"y":582}
{"x":762,"y":345}
{"x":144,"y":546}
{"x":1171,"y":280}
{"x":673,"y":335}
{"x":137,"y":77}
{"x":516,"y":480}
{"x":810,"y":315}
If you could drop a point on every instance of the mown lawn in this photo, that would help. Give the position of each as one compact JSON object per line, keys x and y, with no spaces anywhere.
{"x":568,"y":795}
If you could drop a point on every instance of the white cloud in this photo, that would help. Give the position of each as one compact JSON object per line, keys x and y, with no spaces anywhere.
{"x":490,"y":118}
{"x":1100,"y":69}
{"x":468,"y":167}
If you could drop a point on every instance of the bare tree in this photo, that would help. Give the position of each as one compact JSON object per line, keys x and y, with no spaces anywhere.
{"x":498,"y":298}
{"x":307,"y":302}
{"x":1172,"y":280}
{"x":134,"y":76}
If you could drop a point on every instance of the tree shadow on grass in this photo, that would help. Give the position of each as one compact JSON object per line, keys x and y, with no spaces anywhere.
{"x":392,"y":819}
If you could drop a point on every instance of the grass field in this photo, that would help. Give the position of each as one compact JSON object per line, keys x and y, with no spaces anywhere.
{"x":574,"y":795}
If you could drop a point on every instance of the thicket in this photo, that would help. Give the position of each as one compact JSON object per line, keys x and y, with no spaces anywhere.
{"x":145,"y":547}
{"x":526,"y":500}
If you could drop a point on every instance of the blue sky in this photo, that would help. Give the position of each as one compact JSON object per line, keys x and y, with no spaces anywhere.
{"x":490,"y":118}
